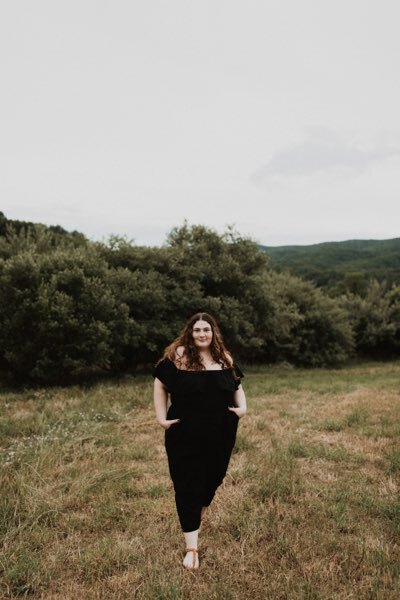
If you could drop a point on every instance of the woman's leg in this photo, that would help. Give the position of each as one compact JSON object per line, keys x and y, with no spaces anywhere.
{"x":189,"y":512}
{"x":191,"y":559}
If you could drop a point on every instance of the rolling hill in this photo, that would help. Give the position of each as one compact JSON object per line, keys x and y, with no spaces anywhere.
{"x":329,"y":263}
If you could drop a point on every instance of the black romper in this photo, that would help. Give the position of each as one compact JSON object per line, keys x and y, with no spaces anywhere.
{"x":199,"y":446}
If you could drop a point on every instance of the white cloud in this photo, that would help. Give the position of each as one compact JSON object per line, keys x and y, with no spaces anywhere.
{"x":324,"y":151}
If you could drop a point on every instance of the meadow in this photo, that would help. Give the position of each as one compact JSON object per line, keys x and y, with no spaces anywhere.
{"x":310,"y":507}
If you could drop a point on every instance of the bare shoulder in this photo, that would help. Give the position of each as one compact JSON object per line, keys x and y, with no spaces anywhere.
{"x":180,"y":351}
{"x":180,"y":356}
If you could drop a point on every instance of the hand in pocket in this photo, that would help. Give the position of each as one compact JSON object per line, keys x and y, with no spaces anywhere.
{"x":237,"y":410}
{"x":168,"y":422}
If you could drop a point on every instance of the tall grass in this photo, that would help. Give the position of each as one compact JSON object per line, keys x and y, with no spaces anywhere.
{"x":310,"y":507}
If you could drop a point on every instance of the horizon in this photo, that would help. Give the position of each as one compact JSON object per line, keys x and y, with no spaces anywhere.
{"x":104,"y":240}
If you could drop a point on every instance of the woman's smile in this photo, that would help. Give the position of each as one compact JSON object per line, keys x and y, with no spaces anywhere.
{"x":202,"y":333}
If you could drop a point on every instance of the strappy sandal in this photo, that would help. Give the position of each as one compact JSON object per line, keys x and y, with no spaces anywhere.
{"x":194,"y":550}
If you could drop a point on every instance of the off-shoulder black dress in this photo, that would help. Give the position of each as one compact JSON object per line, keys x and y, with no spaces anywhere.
{"x":199,"y":446}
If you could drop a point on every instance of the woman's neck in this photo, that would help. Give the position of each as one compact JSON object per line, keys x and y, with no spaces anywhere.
{"x":206,"y":357}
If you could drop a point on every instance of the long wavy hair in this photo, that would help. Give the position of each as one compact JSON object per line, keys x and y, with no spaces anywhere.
{"x":190,"y":359}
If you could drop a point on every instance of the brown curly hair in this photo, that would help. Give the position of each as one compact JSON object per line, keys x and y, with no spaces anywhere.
{"x":190,"y":360}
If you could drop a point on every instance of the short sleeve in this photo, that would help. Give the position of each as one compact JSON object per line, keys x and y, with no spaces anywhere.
{"x":165,"y":371}
{"x":238,"y":371}
{"x":238,"y":375}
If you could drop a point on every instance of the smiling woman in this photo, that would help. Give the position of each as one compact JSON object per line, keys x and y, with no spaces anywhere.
{"x":202,"y":334}
{"x":207,"y":401}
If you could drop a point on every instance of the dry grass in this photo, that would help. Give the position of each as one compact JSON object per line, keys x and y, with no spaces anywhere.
{"x":310,"y":507}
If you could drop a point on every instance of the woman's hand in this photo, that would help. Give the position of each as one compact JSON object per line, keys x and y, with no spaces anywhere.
{"x":238,"y":410}
{"x":166,"y":423}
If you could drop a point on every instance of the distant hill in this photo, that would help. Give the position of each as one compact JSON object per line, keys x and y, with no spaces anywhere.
{"x":338,"y":266}
{"x":329,"y":264}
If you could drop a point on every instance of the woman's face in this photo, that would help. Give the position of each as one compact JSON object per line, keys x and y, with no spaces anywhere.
{"x":202,"y":334}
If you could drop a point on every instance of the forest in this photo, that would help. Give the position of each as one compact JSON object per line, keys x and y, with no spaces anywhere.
{"x":70,"y":306}
{"x":341,"y":266}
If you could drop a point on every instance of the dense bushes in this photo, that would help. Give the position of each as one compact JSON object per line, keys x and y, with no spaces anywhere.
{"x":70,"y":305}
{"x":314,"y":329}
{"x":59,"y":314}
{"x":375,"y":318}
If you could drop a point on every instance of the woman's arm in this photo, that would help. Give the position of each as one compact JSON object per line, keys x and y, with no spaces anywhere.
{"x":160,"y":404}
{"x":239,"y":398}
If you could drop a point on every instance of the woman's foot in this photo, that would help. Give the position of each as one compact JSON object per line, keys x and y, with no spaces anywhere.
{"x":191,"y":560}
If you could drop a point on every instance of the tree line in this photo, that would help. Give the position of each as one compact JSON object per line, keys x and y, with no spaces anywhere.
{"x":70,"y":306}
{"x":339,"y":267}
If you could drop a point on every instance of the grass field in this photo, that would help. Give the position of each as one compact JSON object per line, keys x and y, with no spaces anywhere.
{"x":310,"y":507}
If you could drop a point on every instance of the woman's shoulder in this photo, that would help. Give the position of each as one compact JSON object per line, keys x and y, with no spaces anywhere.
{"x":180,"y":351}
{"x":172,"y":359}
{"x":163,"y":363}
{"x":179,"y":357}
{"x":165,"y":371}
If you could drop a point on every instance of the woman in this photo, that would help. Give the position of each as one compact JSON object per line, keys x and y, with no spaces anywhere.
{"x":207,"y":401}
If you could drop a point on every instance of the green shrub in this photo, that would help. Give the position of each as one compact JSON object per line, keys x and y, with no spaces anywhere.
{"x":58,"y":314}
{"x":375,"y":319}
{"x":68,"y":305}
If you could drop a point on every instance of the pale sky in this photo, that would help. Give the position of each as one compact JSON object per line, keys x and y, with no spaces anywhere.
{"x":280,"y":117}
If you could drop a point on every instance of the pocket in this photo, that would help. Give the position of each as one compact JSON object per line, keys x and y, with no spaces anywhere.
{"x":168,"y":430}
{"x":173,"y":433}
{"x":231,"y":412}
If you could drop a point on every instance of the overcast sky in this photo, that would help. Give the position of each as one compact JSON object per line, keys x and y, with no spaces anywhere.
{"x":280,"y":117}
